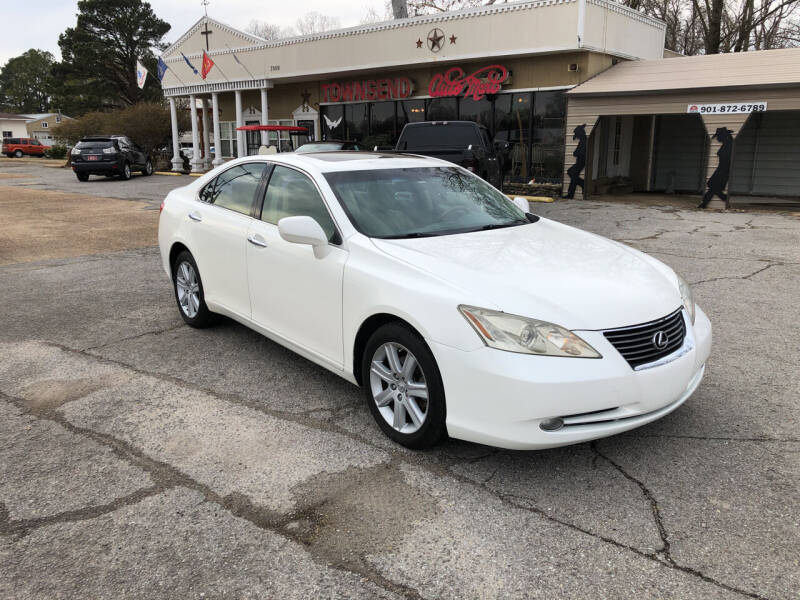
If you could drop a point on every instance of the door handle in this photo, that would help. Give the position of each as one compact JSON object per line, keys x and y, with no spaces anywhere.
{"x":256,"y":241}
{"x":195,"y":216}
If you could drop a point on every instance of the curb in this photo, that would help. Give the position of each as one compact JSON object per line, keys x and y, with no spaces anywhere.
{"x":538,"y":198}
{"x":170,"y":173}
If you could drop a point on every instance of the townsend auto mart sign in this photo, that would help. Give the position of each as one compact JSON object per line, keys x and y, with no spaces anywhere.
{"x":453,"y":82}
{"x":477,"y":85}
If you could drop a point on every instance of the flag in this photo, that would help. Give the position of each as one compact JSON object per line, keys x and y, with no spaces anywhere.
{"x":207,"y":65}
{"x":240,"y":63}
{"x":191,"y":66}
{"x":162,"y":68}
{"x":141,"y":74}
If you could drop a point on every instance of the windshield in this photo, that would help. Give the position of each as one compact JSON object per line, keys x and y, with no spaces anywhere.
{"x":321,"y":147}
{"x":422,"y":201}
{"x":95,"y":144}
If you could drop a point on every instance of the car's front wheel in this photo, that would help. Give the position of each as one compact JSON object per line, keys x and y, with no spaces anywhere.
{"x":403,"y":386}
{"x":18,"y":153}
{"x":148,"y":168}
{"x":125,"y":174}
{"x":189,"y":291}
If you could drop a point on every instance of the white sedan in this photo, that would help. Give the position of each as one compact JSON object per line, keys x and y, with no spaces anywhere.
{"x":457,"y":311}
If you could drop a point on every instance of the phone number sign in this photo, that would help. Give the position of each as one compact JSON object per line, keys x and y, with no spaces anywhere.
{"x":732,"y":107}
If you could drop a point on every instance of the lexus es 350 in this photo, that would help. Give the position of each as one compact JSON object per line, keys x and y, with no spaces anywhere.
{"x":456,"y":310}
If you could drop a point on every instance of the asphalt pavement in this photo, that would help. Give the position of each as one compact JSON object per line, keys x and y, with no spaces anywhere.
{"x":140,"y":458}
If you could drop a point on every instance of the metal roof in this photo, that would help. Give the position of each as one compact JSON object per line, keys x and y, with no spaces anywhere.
{"x":13,"y":117}
{"x":764,"y":68}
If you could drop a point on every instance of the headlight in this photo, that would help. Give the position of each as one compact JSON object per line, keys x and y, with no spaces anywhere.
{"x":76,"y":151}
{"x":527,"y":336}
{"x":687,"y":297}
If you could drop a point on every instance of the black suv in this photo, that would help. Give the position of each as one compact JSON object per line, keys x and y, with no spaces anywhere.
{"x":109,"y":155}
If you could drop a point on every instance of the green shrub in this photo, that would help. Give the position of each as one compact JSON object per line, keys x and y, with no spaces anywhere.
{"x":56,"y":151}
{"x":147,"y":123}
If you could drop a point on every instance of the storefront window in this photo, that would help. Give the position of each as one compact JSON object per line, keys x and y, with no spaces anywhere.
{"x":356,"y":121}
{"x":547,"y":153}
{"x":227,"y":135}
{"x":381,"y":125}
{"x":441,"y":109}
{"x":513,"y":125}
{"x":479,"y":111}
{"x":332,"y":122}
{"x":280,"y":139}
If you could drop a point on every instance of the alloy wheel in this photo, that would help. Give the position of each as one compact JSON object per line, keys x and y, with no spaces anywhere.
{"x":188,"y":289}
{"x":398,"y":387}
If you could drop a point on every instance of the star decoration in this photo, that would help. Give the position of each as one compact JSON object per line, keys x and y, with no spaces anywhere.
{"x":419,"y":43}
{"x":435,"y":38}
{"x":453,"y":39}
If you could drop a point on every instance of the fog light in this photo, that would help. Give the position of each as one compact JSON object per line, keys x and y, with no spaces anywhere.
{"x":553,"y":424}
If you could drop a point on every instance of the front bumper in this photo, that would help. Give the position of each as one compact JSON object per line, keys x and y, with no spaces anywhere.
{"x":500,"y":398}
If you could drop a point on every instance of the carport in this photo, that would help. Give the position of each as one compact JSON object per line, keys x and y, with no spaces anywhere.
{"x":726,"y":126}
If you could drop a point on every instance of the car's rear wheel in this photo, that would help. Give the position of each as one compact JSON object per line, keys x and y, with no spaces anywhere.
{"x":18,"y":153}
{"x":82,"y":176}
{"x":189,"y":292}
{"x":403,"y":386}
{"x":125,"y":174}
{"x":148,"y":168}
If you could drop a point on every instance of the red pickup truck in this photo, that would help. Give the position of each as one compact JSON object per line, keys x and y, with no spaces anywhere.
{"x":20,"y":146}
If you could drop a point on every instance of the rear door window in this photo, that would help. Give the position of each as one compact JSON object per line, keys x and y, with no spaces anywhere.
{"x":235,"y":188}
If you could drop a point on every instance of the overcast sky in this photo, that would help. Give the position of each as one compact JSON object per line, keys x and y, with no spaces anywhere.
{"x":25,"y":29}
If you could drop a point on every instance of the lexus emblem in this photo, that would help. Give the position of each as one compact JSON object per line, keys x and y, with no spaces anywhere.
{"x":660,"y":340}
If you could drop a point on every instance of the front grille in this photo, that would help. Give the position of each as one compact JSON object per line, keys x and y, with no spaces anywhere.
{"x":635,"y":343}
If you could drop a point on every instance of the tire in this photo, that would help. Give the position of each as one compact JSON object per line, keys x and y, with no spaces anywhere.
{"x":18,"y":153}
{"x":378,"y":387}
{"x":125,"y":174}
{"x":82,"y":176}
{"x":148,"y":168}
{"x":194,"y":312}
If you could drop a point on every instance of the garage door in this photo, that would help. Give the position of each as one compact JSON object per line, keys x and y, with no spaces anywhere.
{"x":680,"y":151}
{"x":766,"y":155}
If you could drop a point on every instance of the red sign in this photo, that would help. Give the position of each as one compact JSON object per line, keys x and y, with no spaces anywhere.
{"x":370,"y":89}
{"x":456,"y":82}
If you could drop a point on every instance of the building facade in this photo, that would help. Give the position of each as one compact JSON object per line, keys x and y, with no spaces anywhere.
{"x":507,"y":67}
{"x":723,"y":127}
{"x":40,"y":126}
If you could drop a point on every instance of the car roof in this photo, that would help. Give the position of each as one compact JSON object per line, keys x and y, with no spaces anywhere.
{"x":350,"y":160}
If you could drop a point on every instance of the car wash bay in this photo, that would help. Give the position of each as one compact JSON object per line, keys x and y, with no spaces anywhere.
{"x":737,"y":142}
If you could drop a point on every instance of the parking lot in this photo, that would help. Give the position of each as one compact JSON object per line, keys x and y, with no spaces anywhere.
{"x":142,"y":458}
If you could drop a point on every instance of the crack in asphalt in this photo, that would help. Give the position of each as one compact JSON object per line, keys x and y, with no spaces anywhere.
{"x":748,"y":276}
{"x":241,"y":506}
{"x":135,"y":337}
{"x":167,"y":477}
{"x":663,"y":555}
{"x":723,"y":439}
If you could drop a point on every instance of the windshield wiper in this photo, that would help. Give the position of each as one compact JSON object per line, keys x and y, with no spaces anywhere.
{"x":403,"y":236}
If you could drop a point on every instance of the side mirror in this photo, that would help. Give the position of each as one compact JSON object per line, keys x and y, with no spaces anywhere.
{"x":522,"y":204}
{"x":304,"y":230}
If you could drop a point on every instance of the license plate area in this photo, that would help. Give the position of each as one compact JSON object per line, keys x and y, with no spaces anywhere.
{"x":92,"y":157}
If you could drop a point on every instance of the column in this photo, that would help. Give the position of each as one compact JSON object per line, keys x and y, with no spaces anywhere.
{"x":177,"y":162}
{"x":197,"y":162}
{"x":241,"y":148}
{"x":215,"y":119}
{"x":264,"y":116}
{"x":206,"y":138}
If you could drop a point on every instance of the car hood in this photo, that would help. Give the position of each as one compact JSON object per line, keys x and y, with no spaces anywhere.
{"x":547,"y":271}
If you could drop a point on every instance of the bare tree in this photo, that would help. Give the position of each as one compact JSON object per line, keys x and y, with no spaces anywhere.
{"x":426,"y":7}
{"x":268,"y":31}
{"x":714,"y":26}
{"x":399,"y":9}
{"x":314,"y":22}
